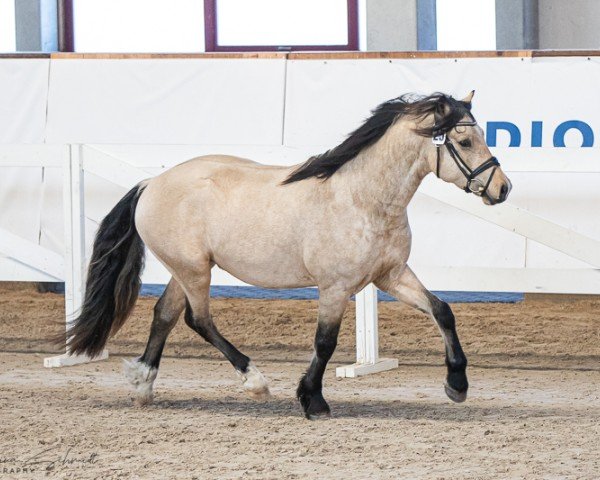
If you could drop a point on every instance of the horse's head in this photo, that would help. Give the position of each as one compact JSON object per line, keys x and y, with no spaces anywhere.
{"x":460,"y":155}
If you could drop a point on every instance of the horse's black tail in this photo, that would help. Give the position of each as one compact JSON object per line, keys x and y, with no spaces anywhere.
{"x":113,"y":280}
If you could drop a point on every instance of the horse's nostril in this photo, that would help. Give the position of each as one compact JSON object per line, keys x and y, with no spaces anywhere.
{"x":504,"y":190}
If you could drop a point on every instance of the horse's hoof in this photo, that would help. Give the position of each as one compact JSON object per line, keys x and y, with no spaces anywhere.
{"x":455,"y":395}
{"x":143,"y":400}
{"x":254,"y":383}
{"x":261,"y":394}
{"x":315,"y":407}
{"x":313,"y":404}
{"x":141,"y":377}
{"x":319,"y":415}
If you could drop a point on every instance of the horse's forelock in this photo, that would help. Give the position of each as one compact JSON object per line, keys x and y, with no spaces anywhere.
{"x":447,"y":112}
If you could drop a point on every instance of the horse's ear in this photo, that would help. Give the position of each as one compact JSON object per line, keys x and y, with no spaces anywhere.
{"x":469,"y":98}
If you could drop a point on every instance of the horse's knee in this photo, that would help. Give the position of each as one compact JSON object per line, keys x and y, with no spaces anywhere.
{"x":325,"y":346}
{"x":326,"y":340}
{"x":455,"y":360}
{"x":443,"y":314}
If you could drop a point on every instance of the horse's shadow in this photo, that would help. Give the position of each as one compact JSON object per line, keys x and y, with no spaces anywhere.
{"x":378,"y":409}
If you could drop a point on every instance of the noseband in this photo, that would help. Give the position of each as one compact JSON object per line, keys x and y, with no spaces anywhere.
{"x":474,"y":185}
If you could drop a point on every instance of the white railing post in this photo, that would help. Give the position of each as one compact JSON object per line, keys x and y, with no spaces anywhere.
{"x":70,"y":302}
{"x":361,"y":340}
{"x":367,"y":338}
{"x":77,"y":226}
{"x":75,"y":264}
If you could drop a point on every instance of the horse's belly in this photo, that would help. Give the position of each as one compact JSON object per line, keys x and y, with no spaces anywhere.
{"x":259,"y":262}
{"x":267,"y":274}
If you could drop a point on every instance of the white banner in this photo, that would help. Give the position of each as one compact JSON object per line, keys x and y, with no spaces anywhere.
{"x":23,"y":100}
{"x":169,"y":101}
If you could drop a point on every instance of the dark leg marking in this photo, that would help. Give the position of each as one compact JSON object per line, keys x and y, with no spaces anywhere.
{"x":142,"y":372}
{"x":456,"y":381}
{"x":208,"y":331}
{"x":166,"y":313}
{"x":310,"y":389}
{"x":253,"y":381}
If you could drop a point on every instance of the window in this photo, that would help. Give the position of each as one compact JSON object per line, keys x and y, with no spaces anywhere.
{"x":242,"y":25}
{"x":8,"y":40}
{"x":138,"y":25}
{"x":466,"y":24}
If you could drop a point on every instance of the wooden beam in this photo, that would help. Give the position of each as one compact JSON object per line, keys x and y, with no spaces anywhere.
{"x":406,"y":55}
{"x":309,"y":55}
{"x":158,"y":56}
{"x":31,"y":254}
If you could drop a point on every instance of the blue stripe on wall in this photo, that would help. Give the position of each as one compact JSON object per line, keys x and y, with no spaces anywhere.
{"x":313,"y":294}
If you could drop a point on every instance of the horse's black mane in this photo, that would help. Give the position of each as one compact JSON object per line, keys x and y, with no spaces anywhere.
{"x":448,"y":112}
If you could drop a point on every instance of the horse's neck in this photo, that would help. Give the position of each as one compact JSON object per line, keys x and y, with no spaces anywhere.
{"x":387,"y":174}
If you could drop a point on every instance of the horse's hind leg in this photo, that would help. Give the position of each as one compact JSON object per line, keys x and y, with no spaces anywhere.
{"x":332,"y":304}
{"x":198,"y":318}
{"x":142,"y":371}
{"x":406,"y":287}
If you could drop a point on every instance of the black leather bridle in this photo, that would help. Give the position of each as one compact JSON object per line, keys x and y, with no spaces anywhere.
{"x":474,"y":185}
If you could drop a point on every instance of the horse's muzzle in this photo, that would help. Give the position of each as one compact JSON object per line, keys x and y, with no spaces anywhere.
{"x":505,"y":189}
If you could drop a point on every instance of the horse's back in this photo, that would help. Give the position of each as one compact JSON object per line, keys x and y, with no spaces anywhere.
{"x":210,"y":184}
{"x":227,"y":165}
{"x":220,"y":177}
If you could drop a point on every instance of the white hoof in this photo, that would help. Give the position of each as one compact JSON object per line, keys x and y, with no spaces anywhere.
{"x":254,"y":383}
{"x":142,"y":377}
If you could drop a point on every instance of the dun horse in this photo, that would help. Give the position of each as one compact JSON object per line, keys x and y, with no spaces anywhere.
{"x":337,"y":221}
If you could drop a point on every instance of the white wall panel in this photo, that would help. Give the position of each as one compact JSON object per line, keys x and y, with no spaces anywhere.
{"x":327,"y":99}
{"x":166,"y":101}
{"x":443,"y":235}
{"x":23,"y":174}
{"x":20,"y":201}
{"x":24,"y":92}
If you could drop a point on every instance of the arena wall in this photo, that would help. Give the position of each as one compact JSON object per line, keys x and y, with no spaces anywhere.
{"x":152,"y":112}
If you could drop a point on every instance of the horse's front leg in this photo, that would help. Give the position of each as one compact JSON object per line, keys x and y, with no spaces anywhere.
{"x":406,"y":287}
{"x":332,"y":303}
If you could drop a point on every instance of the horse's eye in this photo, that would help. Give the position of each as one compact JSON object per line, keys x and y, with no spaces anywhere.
{"x":465,"y":143}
